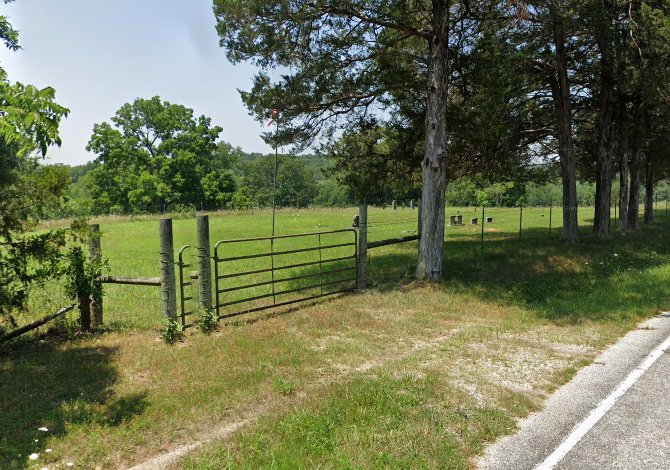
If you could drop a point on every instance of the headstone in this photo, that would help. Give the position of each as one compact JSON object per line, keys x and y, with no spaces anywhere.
{"x":489,"y":220}
{"x":357,"y":219}
{"x":459,"y":220}
{"x":474,"y":221}
{"x":452,"y":220}
{"x":394,"y":204}
{"x":411,"y":203}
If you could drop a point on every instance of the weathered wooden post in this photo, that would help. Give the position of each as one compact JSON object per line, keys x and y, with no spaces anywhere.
{"x":95,"y":255}
{"x":204,"y":267}
{"x":168,"y":281}
{"x":362,"y":246}
{"x":83,"y":291}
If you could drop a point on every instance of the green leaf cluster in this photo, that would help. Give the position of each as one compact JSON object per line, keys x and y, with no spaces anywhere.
{"x":155,"y":156}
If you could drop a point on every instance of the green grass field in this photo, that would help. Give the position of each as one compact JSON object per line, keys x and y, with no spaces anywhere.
{"x":405,"y":374}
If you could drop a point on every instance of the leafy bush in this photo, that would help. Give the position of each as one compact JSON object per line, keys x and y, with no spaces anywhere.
{"x":172,"y":331}
{"x":208,"y":321}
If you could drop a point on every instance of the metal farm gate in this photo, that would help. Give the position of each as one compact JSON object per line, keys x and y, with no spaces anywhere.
{"x":253,"y":274}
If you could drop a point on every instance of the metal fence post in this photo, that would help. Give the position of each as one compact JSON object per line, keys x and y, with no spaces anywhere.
{"x":204,"y":266}
{"x":362,"y":247}
{"x":483,"y":223}
{"x":551,"y":209}
{"x":95,"y":255}
{"x":168,"y":281}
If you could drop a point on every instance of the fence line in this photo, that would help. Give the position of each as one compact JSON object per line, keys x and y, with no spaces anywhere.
{"x":485,"y":224}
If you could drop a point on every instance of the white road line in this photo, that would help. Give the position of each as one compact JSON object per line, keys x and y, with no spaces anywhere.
{"x":585,"y":426}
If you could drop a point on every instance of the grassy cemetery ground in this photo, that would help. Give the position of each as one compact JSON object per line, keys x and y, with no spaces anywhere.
{"x":404,"y":374}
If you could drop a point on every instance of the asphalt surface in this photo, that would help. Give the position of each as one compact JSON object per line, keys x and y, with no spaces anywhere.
{"x":633,"y":434}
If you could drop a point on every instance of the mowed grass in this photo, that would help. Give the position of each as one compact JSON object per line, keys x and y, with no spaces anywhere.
{"x":403,"y":375}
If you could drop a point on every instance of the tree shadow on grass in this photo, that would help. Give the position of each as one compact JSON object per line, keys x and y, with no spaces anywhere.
{"x":615,"y":279}
{"x":56,"y":386}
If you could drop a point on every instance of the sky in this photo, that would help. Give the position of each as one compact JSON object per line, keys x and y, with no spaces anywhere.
{"x":99,"y":55}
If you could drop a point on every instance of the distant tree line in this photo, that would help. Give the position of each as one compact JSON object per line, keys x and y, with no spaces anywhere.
{"x":155,"y":156}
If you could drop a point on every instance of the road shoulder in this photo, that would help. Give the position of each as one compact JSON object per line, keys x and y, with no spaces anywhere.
{"x":541,"y":433}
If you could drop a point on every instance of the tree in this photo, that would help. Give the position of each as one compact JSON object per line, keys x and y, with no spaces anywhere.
{"x":347,"y":59}
{"x":29,"y":119}
{"x":368,"y":164}
{"x":296,"y":185}
{"x":156,"y":155}
{"x":547,"y":36}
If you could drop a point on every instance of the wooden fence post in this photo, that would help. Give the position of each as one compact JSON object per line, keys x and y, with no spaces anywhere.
{"x":168,"y":280}
{"x":95,"y":255}
{"x":204,"y":266}
{"x":83,"y":291}
{"x":362,"y":246}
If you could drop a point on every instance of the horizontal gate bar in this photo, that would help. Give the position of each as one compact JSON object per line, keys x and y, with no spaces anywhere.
{"x":136,"y":281}
{"x":286,"y":252}
{"x":286,"y":279}
{"x":290,"y":291}
{"x":277,"y":237}
{"x":393,"y":241}
{"x":278,"y":268}
{"x":289,"y":302}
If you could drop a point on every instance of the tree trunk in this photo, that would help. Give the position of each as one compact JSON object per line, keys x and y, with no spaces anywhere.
{"x":624,"y":173}
{"x":601,"y":221}
{"x":649,"y":192}
{"x":435,"y":162}
{"x":634,"y":197}
{"x":560,"y":89}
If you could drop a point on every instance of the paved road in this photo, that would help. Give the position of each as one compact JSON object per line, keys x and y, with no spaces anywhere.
{"x":634,"y":433}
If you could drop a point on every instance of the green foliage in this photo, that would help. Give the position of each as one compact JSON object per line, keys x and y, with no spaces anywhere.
{"x":208,"y":321}
{"x":367,"y":163}
{"x":29,"y":119}
{"x":333,"y":194}
{"x":462,"y":192}
{"x":156,"y":155}
{"x":172,"y":331}
{"x":81,"y":273}
{"x":296,"y":185}
{"x":506,"y":194}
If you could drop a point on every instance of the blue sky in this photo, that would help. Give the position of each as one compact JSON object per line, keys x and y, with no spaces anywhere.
{"x":99,"y":55}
